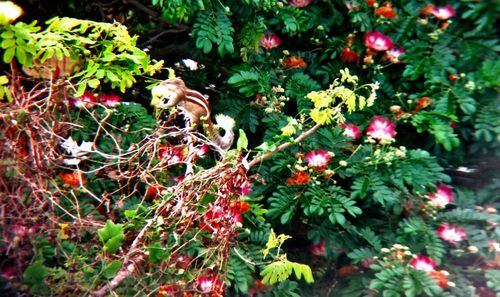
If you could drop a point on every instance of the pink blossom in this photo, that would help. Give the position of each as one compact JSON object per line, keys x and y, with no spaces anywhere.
{"x":299,"y":3}
{"x":443,"y":13}
{"x":441,"y":197}
{"x":209,"y":283}
{"x":318,"y":249}
{"x":318,"y":159}
{"x":393,"y":54}
{"x":378,"y":41}
{"x":202,"y":151}
{"x":87,"y":100}
{"x":451,"y":233}
{"x":245,"y":189}
{"x":270,"y":41}
{"x":110,"y":100}
{"x":352,"y":131}
{"x":423,"y":263}
{"x":381,"y":129}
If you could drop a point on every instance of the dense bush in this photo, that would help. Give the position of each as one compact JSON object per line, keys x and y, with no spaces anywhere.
{"x":356,"y":123}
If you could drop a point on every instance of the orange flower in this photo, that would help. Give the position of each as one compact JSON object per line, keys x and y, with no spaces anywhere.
{"x":441,"y":277}
{"x":428,"y":9}
{"x":421,"y":104}
{"x":299,"y":178}
{"x":371,"y":2}
{"x":386,"y":11}
{"x":348,"y":55}
{"x":294,"y":62}
{"x":72,"y":178}
{"x":240,"y":206}
{"x":452,"y":76}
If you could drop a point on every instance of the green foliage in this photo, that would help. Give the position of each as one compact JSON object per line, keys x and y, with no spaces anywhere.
{"x":282,"y":269}
{"x":213,"y":28}
{"x":111,"y":236}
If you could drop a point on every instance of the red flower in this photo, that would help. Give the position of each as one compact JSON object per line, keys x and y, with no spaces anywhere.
{"x":294,"y":62}
{"x":110,"y":100}
{"x":442,"y":13}
{"x":381,"y":129}
{"x":87,"y":100}
{"x":170,"y":154}
{"x":451,"y":233}
{"x":202,"y":151}
{"x":348,"y":55}
{"x":371,"y":2}
{"x":299,"y":178}
{"x":423,"y":263}
{"x":386,"y":11}
{"x":270,"y":41}
{"x":378,"y":41}
{"x":210,"y":283}
{"x":218,"y":218}
{"x":152,"y":191}
{"x":72,"y":178}
{"x":347,"y":270}
{"x":421,"y":104}
{"x":393,"y":54}
{"x":352,"y":131}
{"x":318,"y":249}
{"x":240,"y":206}
{"x":299,"y":3}
{"x":441,"y":197}
{"x":318,"y":159}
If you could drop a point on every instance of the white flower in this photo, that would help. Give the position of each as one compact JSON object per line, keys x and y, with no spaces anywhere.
{"x":190,"y":64}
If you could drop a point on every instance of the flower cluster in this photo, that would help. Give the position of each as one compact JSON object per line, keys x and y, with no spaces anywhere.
{"x":427,"y":265}
{"x":88,"y":100}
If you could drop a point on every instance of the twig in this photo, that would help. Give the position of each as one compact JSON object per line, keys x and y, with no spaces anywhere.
{"x":283,"y":146}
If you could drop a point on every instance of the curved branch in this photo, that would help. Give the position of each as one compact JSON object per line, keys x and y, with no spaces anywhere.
{"x":283,"y":146}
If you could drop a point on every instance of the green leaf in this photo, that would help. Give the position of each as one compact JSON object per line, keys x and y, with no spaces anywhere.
{"x":242,"y":143}
{"x":112,"y":236}
{"x":35,"y":273}
{"x":81,"y":89}
{"x":94,"y":83}
{"x":9,"y":54}
{"x":112,"y":269}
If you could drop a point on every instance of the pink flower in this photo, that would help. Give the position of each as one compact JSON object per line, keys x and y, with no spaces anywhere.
{"x":318,"y":159}
{"x":352,"y":131}
{"x":202,"y":151}
{"x":299,"y":3}
{"x":87,"y":100}
{"x":110,"y":100}
{"x":210,"y":283}
{"x":245,"y":189}
{"x":378,"y":41}
{"x":441,"y":197}
{"x":381,"y":129}
{"x":318,"y":249}
{"x":443,"y":13}
{"x":270,"y":41}
{"x":393,"y":54}
{"x":423,"y":263}
{"x":451,"y":233}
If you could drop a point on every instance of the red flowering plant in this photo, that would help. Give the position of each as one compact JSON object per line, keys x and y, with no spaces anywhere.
{"x":357,"y":126}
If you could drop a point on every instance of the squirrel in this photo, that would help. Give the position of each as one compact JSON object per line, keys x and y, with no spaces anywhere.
{"x":173,"y":92}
